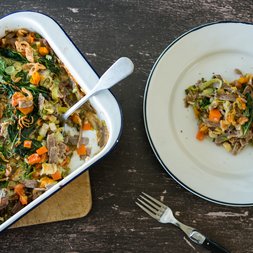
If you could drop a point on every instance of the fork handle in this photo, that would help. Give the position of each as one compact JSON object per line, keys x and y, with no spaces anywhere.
{"x":213,"y":246}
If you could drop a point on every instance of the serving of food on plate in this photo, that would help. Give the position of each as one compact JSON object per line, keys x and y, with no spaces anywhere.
{"x":224,"y":110}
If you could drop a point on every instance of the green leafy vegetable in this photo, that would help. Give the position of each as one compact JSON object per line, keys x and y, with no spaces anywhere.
{"x":249,"y":111}
{"x":50,"y":64}
{"x":8,"y":53}
{"x":12,"y":132}
{"x":21,"y":150}
{"x":7,"y":90}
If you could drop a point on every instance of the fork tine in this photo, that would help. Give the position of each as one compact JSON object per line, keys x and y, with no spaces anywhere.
{"x":148,"y":211}
{"x":154,"y":210}
{"x":154,"y":200}
{"x":150,"y":204}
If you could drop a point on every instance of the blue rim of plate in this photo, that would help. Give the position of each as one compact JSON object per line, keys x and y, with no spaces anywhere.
{"x":146,"y":122}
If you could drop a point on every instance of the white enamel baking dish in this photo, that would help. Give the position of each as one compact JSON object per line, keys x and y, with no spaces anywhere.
{"x":104,"y":103}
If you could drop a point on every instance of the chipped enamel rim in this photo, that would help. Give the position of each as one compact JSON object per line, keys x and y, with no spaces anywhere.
{"x":105,"y":104}
{"x":201,"y":167}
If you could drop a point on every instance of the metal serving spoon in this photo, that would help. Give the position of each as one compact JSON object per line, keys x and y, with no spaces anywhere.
{"x":122,"y":68}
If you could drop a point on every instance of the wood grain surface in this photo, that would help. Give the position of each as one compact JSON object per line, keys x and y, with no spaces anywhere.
{"x":139,"y":29}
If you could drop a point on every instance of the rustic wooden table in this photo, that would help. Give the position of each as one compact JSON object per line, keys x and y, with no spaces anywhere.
{"x":104,"y":31}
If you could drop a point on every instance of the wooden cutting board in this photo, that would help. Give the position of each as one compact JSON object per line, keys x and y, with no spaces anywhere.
{"x":73,"y":201}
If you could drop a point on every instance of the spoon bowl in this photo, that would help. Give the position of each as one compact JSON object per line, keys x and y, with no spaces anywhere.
{"x":122,"y":68}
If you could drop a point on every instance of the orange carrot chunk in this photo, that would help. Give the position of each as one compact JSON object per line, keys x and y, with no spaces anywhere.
{"x":200,"y":135}
{"x":43,"y":158}
{"x":203,"y":130}
{"x":81,"y":150}
{"x":65,"y":161}
{"x":23,"y":199}
{"x":76,"y":119}
{"x":214,"y":115}
{"x":87,"y":126}
{"x":43,"y":51}
{"x":16,"y":97}
{"x":27,"y":144}
{"x":57,"y":175}
{"x":19,"y":190}
{"x":243,"y":79}
{"x":30,"y":38}
{"x":26,"y":110}
{"x":42,"y":150}
{"x":35,"y":79}
{"x":44,"y":181}
{"x":33,"y":159}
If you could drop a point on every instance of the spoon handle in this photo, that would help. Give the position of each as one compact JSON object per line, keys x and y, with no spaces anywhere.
{"x":119,"y":70}
{"x":122,"y":68}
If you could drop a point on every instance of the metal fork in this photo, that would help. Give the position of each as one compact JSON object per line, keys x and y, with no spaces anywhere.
{"x":163,"y":214}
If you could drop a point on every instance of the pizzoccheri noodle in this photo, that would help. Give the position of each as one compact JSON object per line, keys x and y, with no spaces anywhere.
{"x":35,"y":151}
{"x":224,"y":110}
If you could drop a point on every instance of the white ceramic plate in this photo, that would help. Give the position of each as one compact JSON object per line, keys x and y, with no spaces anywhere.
{"x":104,"y":102}
{"x":201,"y":167}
